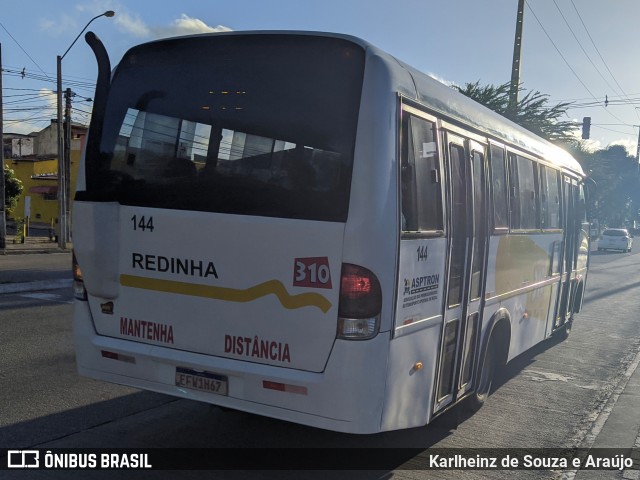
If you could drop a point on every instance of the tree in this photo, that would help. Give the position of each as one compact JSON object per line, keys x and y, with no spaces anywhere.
{"x":533,"y":111}
{"x":616,"y":199}
{"x":12,"y":188}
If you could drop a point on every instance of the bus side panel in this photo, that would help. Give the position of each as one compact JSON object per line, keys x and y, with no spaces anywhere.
{"x":101,"y":274}
{"x":420,"y":281}
{"x":413,"y":355}
{"x":517,"y":264}
{"x":552,"y":310}
{"x":411,"y":376}
{"x":371,"y":238}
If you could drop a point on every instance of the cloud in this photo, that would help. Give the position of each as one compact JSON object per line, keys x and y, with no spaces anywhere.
{"x":28,"y":122}
{"x":66,"y":23}
{"x":185,"y":25}
{"x":50,"y":98}
{"x":129,"y":22}
{"x":61,"y":24}
{"x":132,"y":25}
{"x":590,"y":145}
{"x":441,"y":80}
{"x":627,"y":143}
{"x":593,"y":144}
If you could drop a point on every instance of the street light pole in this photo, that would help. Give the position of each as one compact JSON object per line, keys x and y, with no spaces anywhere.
{"x":63,"y":168}
{"x":3,"y":224}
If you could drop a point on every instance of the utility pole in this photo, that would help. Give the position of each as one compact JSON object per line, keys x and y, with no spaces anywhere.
{"x":67,"y":164}
{"x":638,"y":147}
{"x":517,"y":57}
{"x":3,"y":214}
{"x":62,"y":204}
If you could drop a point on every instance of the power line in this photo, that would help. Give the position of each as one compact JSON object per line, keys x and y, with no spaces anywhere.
{"x":23,"y":89}
{"x":35,"y":76}
{"x":598,"y":52}
{"x":615,"y":131}
{"x":567,"y":63}
{"x":560,"y":53}
{"x":75,"y":78}
{"x":581,"y":47}
{"x":25,"y":52}
{"x":583,"y":99}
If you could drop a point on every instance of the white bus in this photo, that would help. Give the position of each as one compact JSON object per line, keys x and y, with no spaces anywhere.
{"x":300,"y":226}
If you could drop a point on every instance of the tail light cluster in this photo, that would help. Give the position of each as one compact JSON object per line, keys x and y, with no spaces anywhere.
{"x":78,"y":283}
{"x":360,"y":303}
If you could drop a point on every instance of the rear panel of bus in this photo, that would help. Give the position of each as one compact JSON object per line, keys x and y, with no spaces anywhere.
{"x":218,"y":236}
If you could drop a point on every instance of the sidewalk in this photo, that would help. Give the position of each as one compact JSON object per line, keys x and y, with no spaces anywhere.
{"x":37,"y":264}
{"x":32,"y":244}
{"x":618,"y":427}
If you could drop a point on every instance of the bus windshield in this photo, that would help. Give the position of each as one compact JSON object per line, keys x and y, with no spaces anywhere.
{"x":229,"y":124}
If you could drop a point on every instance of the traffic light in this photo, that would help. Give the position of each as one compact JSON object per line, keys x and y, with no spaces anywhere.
{"x":586,"y":127}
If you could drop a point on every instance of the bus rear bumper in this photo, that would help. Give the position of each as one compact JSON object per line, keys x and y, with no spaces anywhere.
{"x":332,"y":399}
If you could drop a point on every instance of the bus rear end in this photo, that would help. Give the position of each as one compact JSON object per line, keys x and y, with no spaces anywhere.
{"x":209,"y":230}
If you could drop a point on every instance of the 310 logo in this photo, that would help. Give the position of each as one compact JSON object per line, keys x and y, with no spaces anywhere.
{"x":312,"y":272}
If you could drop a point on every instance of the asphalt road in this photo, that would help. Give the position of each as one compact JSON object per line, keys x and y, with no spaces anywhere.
{"x":552,"y":397}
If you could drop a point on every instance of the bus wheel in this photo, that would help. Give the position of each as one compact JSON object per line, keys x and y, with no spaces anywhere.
{"x":565,"y":330}
{"x":487,"y":374}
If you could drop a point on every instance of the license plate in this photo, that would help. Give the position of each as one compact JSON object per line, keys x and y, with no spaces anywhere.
{"x":202,"y":381}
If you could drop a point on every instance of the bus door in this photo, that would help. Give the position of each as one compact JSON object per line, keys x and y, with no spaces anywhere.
{"x":466,"y":273}
{"x":569,"y":193}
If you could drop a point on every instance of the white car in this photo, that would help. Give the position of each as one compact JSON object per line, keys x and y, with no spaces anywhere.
{"x":615,"y":239}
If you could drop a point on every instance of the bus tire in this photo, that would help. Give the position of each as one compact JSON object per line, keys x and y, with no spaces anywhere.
{"x":485,"y":380}
{"x":564,"y":331}
{"x":567,"y":327}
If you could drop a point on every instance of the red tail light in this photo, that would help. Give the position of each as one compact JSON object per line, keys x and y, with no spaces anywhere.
{"x":360,"y":303}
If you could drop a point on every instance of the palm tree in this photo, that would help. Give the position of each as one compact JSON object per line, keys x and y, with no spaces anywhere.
{"x":532,"y":112}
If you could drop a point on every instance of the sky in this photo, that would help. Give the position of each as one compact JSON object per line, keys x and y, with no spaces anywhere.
{"x":580,"y":51}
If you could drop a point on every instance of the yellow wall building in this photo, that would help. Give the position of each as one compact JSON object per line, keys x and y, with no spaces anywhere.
{"x":39,"y":177}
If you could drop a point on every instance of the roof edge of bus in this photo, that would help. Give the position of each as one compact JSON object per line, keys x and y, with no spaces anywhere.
{"x":442,"y":97}
{"x":307,"y":33}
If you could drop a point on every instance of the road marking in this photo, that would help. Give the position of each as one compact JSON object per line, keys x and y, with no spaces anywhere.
{"x":50,"y":297}
{"x":539,"y":376}
{"x":35,"y":286}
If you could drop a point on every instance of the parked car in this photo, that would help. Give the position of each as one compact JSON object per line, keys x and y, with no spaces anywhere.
{"x":615,"y":239}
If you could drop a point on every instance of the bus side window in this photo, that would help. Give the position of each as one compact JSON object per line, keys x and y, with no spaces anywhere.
{"x":528,"y":195}
{"x":514,"y":194}
{"x":543,"y":194}
{"x":421,"y":186}
{"x":499,"y":188}
{"x":523,"y":201}
{"x":553,"y":198}
{"x":408,"y":179}
{"x":582,"y":205}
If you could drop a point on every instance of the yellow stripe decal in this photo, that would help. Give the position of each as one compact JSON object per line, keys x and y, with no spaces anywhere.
{"x":274,"y":287}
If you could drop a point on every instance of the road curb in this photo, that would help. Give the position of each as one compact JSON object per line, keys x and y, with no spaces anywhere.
{"x":29,"y":251}
{"x":35,"y":286}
